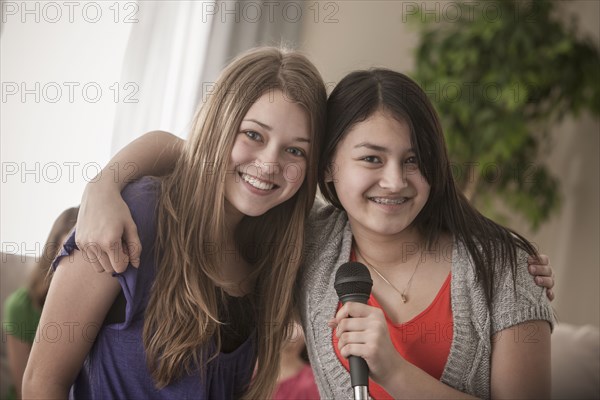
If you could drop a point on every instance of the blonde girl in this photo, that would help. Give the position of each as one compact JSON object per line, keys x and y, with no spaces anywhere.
{"x":221,"y":238}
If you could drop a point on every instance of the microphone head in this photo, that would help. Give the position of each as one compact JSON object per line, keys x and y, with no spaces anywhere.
{"x":353,"y":278}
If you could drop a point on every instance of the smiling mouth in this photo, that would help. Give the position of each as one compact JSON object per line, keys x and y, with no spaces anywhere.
{"x":258,"y":183}
{"x":388,"y":202}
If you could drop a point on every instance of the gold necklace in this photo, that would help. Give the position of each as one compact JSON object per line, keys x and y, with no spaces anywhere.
{"x":402,"y":293}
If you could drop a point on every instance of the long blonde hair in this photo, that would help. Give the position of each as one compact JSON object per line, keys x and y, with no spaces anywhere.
{"x":182,"y":314}
{"x":39,"y":280}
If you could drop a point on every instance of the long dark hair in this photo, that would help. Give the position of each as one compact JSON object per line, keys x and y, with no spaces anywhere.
{"x":362,"y":93}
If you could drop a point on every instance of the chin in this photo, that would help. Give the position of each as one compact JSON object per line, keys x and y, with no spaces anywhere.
{"x":254,"y":213}
{"x":390,"y":229}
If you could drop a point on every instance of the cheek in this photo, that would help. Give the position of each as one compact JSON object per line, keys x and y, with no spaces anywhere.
{"x":350,"y":181}
{"x":423,"y":188}
{"x":239,"y":152}
{"x":421,"y":184}
{"x":294,"y":173}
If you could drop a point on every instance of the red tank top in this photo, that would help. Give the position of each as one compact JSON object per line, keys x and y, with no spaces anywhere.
{"x":424,"y":341}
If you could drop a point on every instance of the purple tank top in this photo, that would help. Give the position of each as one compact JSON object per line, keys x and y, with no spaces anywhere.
{"x":116,"y":366}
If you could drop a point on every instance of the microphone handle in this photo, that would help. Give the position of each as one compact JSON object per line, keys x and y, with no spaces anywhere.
{"x":359,"y":370}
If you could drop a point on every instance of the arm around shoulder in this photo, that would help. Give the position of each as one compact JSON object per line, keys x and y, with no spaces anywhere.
{"x":154,"y":153}
{"x":104,"y":224}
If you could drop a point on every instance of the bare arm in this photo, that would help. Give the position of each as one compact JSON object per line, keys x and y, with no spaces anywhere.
{"x":105,"y":229}
{"x":18,"y":353}
{"x":154,"y":153}
{"x":76,"y":306}
{"x":520,"y":368}
{"x":521,"y":362}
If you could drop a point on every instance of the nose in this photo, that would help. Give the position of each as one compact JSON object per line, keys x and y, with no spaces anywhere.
{"x":393,"y":178}
{"x":268,"y":162}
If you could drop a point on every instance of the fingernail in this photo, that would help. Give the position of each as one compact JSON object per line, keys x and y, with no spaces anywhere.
{"x":532,"y":268}
{"x":538,"y":279}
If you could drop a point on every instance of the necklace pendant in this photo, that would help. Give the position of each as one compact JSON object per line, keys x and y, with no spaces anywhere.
{"x":403,"y":297}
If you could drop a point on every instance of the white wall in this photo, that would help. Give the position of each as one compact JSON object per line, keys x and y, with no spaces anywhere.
{"x":61,"y":140}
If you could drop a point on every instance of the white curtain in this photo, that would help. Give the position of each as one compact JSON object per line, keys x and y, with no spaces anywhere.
{"x":260,"y":23}
{"x":162,"y":70}
{"x":177,"y":50}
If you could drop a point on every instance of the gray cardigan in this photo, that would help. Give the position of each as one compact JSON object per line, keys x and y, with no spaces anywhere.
{"x":468,"y":367}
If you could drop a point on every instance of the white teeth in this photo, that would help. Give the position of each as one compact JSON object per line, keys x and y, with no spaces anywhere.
{"x":381,"y":200}
{"x":257,"y":183}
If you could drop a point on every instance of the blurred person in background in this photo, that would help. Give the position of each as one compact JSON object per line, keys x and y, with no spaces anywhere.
{"x":296,"y":380}
{"x":23,"y":307}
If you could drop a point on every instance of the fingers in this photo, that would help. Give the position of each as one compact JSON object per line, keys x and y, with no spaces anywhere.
{"x":104,"y":260}
{"x":354,"y":322}
{"x":542,"y":260}
{"x":351,"y":325}
{"x":117,"y":257}
{"x":545,"y":281}
{"x":96,"y":256}
{"x":133,"y":245}
{"x":543,"y":274}
{"x":353,"y":349}
{"x":541,"y":270}
{"x":348,"y":342}
{"x":544,"y":277}
{"x":362,"y":342}
{"x":92,"y":256}
{"x":108,"y":257}
{"x":353,"y":310}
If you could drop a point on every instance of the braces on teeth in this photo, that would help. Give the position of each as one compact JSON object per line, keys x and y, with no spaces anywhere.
{"x":387,"y":201}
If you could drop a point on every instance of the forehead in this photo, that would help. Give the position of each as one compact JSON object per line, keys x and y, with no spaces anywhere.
{"x":382,"y":129}
{"x":270,"y":100}
{"x":275,"y":105}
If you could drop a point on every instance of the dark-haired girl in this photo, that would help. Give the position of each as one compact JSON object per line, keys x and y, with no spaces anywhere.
{"x":453,"y":313}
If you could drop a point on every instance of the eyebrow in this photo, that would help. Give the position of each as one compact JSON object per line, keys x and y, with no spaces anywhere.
{"x":371,"y":146}
{"x":269,"y":128}
{"x":375,"y":147}
{"x":265,"y":126}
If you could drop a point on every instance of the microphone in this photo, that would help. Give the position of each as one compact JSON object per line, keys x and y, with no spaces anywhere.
{"x":353,"y":283}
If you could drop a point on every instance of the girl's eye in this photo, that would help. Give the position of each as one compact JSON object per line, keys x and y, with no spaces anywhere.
{"x":296,"y":151}
{"x":253,"y":135}
{"x":372,"y":159}
{"x":412,"y":163}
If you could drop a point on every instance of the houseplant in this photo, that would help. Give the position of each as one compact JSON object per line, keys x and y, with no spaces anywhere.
{"x":500,"y":74}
